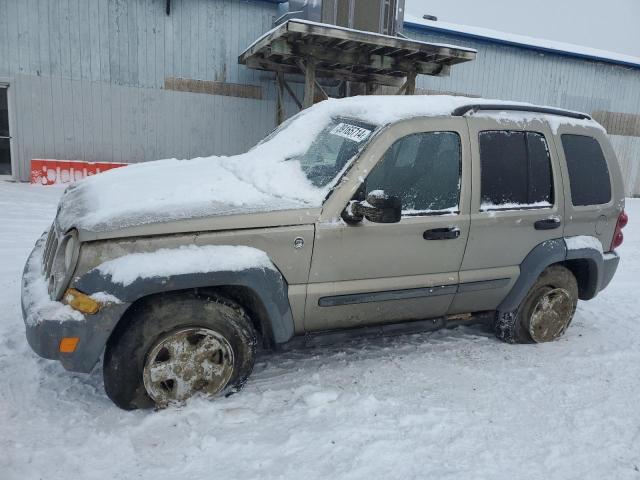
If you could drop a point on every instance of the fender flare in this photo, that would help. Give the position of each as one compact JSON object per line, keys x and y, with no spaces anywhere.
{"x":540,"y":257}
{"x":269,"y":286}
{"x":595,"y":270}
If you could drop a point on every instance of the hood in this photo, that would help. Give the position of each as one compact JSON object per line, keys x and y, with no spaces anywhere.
{"x":167,"y":191}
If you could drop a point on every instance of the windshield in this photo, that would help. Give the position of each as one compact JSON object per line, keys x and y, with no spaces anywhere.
{"x":340,"y":141}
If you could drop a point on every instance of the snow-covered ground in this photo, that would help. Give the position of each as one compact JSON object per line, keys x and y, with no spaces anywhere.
{"x":450,"y":404}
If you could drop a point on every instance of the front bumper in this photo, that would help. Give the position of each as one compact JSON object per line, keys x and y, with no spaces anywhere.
{"x":45,"y":333}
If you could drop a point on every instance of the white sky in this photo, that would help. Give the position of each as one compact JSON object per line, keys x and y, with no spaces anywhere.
{"x":609,"y":25}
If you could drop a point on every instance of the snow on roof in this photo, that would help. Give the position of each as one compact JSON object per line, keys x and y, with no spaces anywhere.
{"x":372,"y":35}
{"x":523,"y":41}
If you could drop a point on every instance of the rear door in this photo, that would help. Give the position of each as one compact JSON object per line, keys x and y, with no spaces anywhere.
{"x":517,"y":203}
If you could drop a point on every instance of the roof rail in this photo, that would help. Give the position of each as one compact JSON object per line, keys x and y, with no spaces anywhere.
{"x":472,"y":108}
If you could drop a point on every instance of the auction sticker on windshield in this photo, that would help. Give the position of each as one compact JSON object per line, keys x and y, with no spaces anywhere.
{"x":352,"y":132}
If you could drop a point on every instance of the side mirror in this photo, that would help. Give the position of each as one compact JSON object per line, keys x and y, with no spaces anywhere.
{"x":378,"y":207}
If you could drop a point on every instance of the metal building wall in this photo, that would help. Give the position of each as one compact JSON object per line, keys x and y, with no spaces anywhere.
{"x":606,"y":90}
{"x":86,"y":78}
{"x":92,"y":79}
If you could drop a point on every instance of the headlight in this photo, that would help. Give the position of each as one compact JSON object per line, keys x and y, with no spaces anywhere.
{"x":64,"y":264}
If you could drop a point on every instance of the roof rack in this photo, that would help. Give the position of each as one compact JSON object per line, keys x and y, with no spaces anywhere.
{"x":472,"y":108}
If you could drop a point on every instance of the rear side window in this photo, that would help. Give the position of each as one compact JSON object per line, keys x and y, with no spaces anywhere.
{"x":515,"y":170}
{"x":588,"y":171}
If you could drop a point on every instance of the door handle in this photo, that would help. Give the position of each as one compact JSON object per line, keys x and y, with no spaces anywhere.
{"x":547,"y":224}
{"x":446,"y":233}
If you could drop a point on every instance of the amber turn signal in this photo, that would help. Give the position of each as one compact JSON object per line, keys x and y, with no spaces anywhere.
{"x":68,"y":344}
{"x":81,"y":302}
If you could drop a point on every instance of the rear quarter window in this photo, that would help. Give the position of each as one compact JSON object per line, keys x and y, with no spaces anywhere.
{"x":588,"y":170}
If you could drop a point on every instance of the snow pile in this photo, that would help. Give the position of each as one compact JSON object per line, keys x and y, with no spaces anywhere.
{"x":263,"y":179}
{"x":453,"y":404}
{"x":183,"y":260}
{"x":36,"y":296}
{"x":583,"y":241}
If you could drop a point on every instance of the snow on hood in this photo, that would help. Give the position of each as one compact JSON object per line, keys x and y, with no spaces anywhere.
{"x":182,"y":260}
{"x":257,"y":181}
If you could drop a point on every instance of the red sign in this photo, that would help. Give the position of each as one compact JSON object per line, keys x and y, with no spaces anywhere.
{"x":52,"y":172}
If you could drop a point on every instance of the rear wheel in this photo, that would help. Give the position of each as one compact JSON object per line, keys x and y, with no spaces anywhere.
{"x":545,"y":313}
{"x":178,"y":346}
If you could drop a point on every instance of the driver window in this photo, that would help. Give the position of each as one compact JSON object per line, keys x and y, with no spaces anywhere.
{"x":423,"y":169}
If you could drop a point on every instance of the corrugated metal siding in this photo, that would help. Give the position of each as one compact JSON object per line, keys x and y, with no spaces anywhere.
{"x":513,"y":73}
{"x":628,"y":152}
{"x":87,"y":78}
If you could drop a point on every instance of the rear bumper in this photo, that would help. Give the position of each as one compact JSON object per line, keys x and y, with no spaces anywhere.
{"x":44,"y":333}
{"x":610,"y":263}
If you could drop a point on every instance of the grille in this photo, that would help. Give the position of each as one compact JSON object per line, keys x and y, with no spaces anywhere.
{"x":49,"y":251}
{"x":47,"y":246}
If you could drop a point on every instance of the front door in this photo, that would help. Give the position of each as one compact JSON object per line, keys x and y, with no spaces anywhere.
{"x":5,"y":138}
{"x":378,"y":273}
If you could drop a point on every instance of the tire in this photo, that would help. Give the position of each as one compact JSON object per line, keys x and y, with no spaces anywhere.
{"x":545,"y":313}
{"x":214,"y":347}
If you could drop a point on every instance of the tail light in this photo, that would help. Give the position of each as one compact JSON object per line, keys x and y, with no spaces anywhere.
{"x":618,"y":236}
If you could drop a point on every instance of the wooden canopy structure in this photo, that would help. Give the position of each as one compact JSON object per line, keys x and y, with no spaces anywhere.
{"x":331,"y":52}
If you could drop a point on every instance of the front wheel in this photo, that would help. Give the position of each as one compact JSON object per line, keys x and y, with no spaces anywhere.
{"x":545,"y":313}
{"x":175,"y":347}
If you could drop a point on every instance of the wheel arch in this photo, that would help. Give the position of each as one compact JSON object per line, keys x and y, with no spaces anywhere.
{"x":239,"y":295}
{"x":586,"y":272}
{"x":263,"y":292}
{"x":586,"y":264}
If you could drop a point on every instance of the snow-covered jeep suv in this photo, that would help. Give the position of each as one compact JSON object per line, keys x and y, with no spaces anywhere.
{"x":388,"y":213}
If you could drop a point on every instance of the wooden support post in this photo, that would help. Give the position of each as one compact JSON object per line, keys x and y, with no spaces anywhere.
{"x":402,"y":89}
{"x":411,"y":83}
{"x":309,"y":69}
{"x":292,"y":93}
{"x":323,"y":94}
{"x":280,"y":111}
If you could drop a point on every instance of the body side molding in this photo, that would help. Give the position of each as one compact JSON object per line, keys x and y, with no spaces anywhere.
{"x":403,"y":294}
